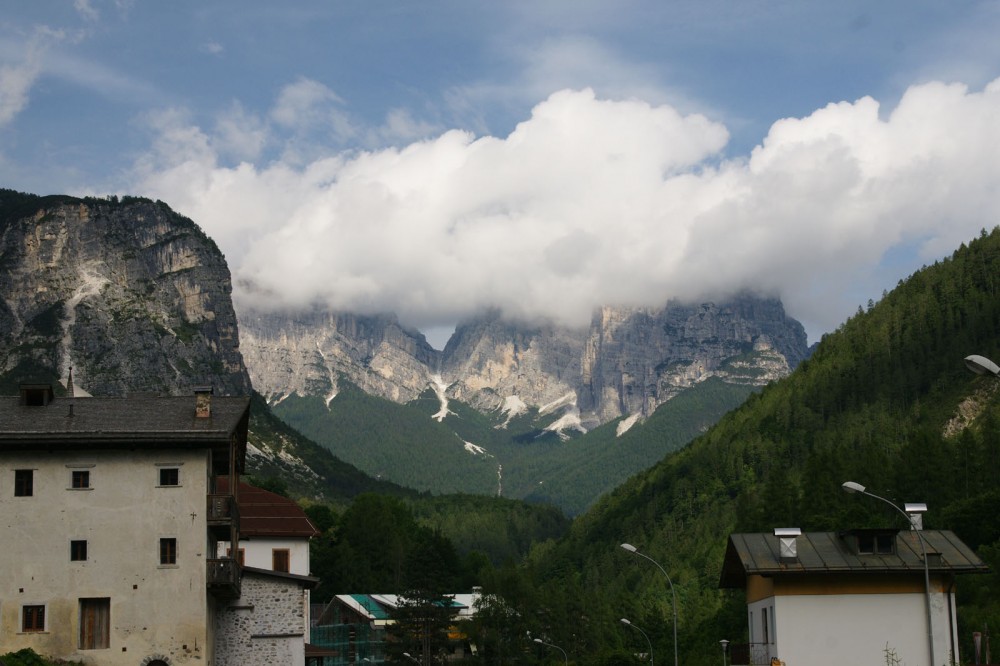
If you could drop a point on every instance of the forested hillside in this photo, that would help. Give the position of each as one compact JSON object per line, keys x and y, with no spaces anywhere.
{"x":885,"y":401}
{"x":520,"y":460}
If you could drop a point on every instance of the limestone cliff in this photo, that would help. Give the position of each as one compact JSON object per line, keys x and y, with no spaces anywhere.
{"x":307,"y":353}
{"x":628,"y":362}
{"x":132,"y":296}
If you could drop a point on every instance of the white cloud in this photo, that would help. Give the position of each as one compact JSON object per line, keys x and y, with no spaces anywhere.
{"x":594,"y":201}
{"x":86,"y":10}
{"x":16,"y":80}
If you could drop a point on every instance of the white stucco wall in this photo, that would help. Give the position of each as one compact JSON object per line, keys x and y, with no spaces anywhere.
{"x":833,"y":630}
{"x":155,"y":609}
{"x":257,"y":553}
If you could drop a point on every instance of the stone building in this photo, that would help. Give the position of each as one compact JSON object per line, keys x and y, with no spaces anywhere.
{"x":269,"y":622}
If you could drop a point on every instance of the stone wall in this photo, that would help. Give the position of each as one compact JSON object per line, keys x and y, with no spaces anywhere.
{"x":265,"y":626}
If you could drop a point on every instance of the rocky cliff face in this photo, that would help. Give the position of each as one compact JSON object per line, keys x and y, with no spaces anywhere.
{"x":628,"y":362}
{"x":132,"y":296}
{"x":307,"y":353}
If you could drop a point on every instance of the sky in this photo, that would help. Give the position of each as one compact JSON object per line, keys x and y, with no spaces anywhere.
{"x":537,"y":157}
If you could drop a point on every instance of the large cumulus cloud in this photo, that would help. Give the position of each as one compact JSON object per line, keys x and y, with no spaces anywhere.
{"x":588,"y":201}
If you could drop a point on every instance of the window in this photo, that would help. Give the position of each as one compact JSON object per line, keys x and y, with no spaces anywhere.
{"x":78,"y":551}
{"x":168,"y":551}
{"x":763,"y":621}
{"x":81,"y":479}
{"x":170,"y":476}
{"x":875,"y":544}
{"x":33,"y":618}
{"x":24,"y":482}
{"x":279,"y":559}
{"x":95,"y":624}
{"x":240,"y":555}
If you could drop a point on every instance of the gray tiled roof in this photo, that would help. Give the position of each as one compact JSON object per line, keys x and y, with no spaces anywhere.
{"x":119,"y":423}
{"x":69,"y":420}
{"x":833,"y":553}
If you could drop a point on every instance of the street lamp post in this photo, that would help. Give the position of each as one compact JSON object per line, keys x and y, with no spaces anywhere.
{"x":565,"y":657}
{"x":725,"y":644}
{"x":635,"y":551}
{"x":648,"y":642}
{"x":852,"y":487}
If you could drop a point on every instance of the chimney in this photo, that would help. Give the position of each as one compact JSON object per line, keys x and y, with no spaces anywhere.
{"x":203,"y":402}
{"x":787,"y":546}
{"x":916,"y":513}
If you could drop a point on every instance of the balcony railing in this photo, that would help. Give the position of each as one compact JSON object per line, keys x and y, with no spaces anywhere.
{"x":223,"y":578}
{"x":223,"y":512}
{"x":750,"y":654}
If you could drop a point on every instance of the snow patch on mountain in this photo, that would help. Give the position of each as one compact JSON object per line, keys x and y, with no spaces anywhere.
{"x":439,"y":387}
{"x":568,"y":421}
{"x":567,"y":400}
{"x":475,"y":449}
{"x":512,"y":406}
{"x":626,"y":424}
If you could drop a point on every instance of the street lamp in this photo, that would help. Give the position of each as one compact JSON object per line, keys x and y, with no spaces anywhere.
{"x":635,"y":551}
{"x":981,"y":365}
{"x":725,"y":644}
{"x":852,"y":487}
{"x":629,"y":624}
{"x":411,"y":657}
{"x":541,"y":642}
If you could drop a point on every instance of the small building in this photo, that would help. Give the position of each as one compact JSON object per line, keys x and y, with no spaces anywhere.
{"x":851,"y":597}
{"x":354,"y":627}
{"x":111,"y":512}
{"x":269,"y":622}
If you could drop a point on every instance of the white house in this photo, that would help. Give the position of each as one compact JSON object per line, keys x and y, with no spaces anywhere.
{"x":269,"y":622}
{"x":109,"y":519}
{"x":835,"y":598}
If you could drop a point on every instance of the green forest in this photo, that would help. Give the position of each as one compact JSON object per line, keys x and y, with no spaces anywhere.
{"x":402,"y":443}
{"x":885,"y":401}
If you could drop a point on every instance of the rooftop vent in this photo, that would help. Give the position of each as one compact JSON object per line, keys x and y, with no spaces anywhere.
{"x":916,"y":513}
{"x":787,"y":545}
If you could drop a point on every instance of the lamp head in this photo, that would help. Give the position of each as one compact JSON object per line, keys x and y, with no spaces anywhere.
{"x":724,"y":643}
{"x":981,"y":365}
{"x":852,"y":487}
{"x":629,"y":547}
{"x":624,"y":621}
{"x":539,"y":640}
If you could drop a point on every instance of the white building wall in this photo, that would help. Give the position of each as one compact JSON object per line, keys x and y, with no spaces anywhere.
{"x":154,"y":609}
{"x":833,"y":630}
{"x":257,"y":553}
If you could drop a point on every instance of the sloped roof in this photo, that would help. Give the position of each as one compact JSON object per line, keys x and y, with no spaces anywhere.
{"x":307,"y":582}
{"x":267,"y":514}
{"x":167,"y":419}
{"x":833,"y":553}
{"x":139,"y":421}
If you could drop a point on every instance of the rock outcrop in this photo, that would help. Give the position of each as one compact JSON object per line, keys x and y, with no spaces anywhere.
{"x":132,"y":296}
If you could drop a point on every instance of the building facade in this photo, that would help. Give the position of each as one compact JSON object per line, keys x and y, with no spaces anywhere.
{"x":852,"y":597}
{"x":110,"y":516}
{"x":269,"y":622}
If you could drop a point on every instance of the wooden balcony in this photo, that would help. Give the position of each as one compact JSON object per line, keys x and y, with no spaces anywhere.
{"x":224,"y":578}
{"x":223,"y":513}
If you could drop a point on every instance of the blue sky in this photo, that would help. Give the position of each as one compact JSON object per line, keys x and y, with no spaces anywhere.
{"x":545,"y":158}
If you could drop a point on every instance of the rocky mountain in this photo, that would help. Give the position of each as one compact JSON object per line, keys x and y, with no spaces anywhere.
{"x":136,"y":299}
{"x":626,"y":364}
{"x":130,"y":295}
